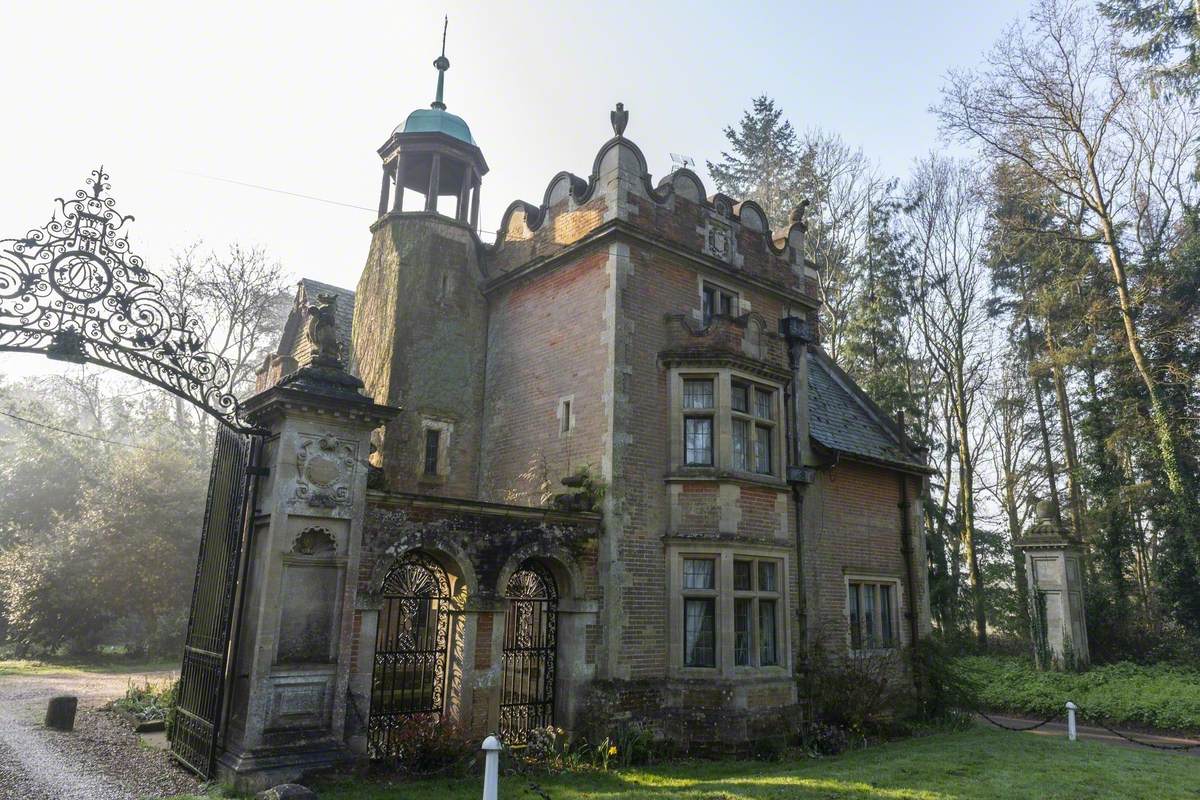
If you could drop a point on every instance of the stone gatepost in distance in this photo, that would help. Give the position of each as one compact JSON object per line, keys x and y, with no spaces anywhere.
{"x":1054,"y":570}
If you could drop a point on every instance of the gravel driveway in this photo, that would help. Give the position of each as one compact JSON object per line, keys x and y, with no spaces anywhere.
{"x":102,"y":759}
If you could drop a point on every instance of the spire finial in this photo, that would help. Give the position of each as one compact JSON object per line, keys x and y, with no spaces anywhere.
{"x":442,"y":64}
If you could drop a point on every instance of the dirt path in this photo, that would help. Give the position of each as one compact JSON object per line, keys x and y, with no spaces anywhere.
{"x":1096,"y":734}
{"x":102,"y":759}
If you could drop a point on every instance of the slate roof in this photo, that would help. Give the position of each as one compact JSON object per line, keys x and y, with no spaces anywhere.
{"x":843,"y":419}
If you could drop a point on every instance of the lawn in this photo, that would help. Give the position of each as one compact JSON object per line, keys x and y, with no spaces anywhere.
{"x":59,"y":666}
{"x":977,"y":763}
{"x":1160,"y":696}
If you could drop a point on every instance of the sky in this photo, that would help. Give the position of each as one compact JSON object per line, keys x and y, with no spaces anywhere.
{"x":298,"y":96}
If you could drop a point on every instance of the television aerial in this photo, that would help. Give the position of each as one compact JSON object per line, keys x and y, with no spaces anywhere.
{"x":679,"y":162}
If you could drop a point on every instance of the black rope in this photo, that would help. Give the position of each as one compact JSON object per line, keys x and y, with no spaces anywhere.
{"x":1011,"y":728}
{"x":1176,"y":747}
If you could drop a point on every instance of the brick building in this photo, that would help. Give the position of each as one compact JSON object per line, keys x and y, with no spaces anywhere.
{"x":735,"y":499}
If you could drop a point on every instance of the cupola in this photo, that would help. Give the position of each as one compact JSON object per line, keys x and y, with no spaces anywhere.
{"x":433,"y":153}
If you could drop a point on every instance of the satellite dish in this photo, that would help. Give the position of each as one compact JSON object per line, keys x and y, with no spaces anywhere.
{"x":682,"y":162}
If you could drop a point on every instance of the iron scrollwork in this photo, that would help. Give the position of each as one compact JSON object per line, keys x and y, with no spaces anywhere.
{"x":73,"y":290}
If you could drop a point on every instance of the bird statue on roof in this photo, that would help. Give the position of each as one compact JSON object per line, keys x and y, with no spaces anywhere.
{"x":619,"y":118}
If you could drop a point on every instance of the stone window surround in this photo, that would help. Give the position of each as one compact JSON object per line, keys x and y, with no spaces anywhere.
{"x":743,"y":304}
{"x":567,"y":401}
{"x":725,"y":553}
{"x":849,"y":577}
{"x":445,"y":429}
{"x":722,"y":416}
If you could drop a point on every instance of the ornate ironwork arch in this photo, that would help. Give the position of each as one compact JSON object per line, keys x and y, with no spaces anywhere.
{"x":74,"y":291}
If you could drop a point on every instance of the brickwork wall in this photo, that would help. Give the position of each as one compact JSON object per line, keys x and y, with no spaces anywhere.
{"x":547,"y":339}
{"x":660,"y":285}
{"x":564,"y":224}
{"x":853,"y":526}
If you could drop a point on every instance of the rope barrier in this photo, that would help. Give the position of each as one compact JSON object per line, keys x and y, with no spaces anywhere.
{"x":1097,"y":723}
{"x":1175,"y":747}
{"x":1010,"y":728}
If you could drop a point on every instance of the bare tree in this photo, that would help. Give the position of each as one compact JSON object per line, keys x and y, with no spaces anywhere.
{"x":947,"y":220}
{"x":240,"y":299}
{"x":1057,"y":96}
{"x":839,"y":183}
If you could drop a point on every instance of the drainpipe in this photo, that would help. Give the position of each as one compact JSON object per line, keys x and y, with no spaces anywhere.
{"x":795,"y":331}
{"x":906,"y":538}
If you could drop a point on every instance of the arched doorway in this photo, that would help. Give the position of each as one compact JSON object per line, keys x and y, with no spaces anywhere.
{"x":530,"y":652}
{"x":412,"y":643}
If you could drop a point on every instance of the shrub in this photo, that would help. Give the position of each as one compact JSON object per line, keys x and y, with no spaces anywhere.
{"x":1164,"y":696}
{"x":148,"y":701}
{"x":859,"y":692}
{"x":940,"y":690}
{"x":427,"y":745}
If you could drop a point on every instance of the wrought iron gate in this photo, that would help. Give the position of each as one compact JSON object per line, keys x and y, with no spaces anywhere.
{"x":412,"y":644}
{"x":530,"y":653}
{"x":206,"y":649}
{"x":73,"y":290}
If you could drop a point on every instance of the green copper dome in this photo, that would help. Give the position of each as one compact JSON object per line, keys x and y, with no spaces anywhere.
{"x":436,"y":120}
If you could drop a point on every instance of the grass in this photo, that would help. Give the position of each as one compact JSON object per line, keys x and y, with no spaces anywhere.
{"x":1161,"y":696}
{"x":67,"y":666}
{"x":977,"y":763}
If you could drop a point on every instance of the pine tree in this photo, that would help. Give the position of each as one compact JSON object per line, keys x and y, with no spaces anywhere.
{"x":875,"y":348}
{"x":762,"y":162}
{"x":1167,"y":34}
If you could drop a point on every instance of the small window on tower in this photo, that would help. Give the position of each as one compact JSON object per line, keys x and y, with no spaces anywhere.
{"x":566,"y":414}
{"x":432,"y":441}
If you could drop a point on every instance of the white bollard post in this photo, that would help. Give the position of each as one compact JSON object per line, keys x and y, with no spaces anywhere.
{"x":491,"y":768}
{"x":1071,"y":720}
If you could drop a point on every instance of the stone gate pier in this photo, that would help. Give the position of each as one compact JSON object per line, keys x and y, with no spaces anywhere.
{"x":1054,"y":570}
{"x":287,"y":696}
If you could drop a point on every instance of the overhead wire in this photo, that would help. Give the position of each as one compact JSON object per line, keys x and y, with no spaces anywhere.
{"x":313,"y":197}
{"x":80,"y":434}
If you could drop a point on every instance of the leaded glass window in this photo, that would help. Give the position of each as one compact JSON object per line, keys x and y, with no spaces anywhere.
{"x":699,"y":632}
{"x":698,"y":441}
{"x":872,"y":610}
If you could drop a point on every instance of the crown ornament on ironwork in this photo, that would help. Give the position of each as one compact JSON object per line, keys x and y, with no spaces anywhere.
{"x":74,"y":290}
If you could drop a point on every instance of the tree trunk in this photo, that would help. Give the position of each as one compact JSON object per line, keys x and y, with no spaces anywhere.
{"x":966,"y":481}
{"x":1070,"y":451}
{"x":1014,"y":533}
{"x":1047,"y":451}
{"x":1167,"y":446}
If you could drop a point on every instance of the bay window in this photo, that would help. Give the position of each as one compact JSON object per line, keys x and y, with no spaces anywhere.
{"x":728,"y":422}
{"x":728,"y":610}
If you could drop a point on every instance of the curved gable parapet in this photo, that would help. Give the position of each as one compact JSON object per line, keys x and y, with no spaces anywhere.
{"x":520,"y":218}
{"x":617,"y":153}
{"x":752,"y":216}
{"x":563,"y":185}
{"x":722,"y":204}
{"x":684,"y":183}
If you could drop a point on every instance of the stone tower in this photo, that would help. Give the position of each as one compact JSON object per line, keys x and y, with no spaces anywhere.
{"x":420,"y":320}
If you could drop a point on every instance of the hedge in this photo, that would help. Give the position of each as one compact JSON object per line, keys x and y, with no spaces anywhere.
{"x":1162,"y":696}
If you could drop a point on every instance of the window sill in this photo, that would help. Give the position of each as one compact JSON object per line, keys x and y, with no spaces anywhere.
{"x":692,"y":474}
{"x":875,"y":652}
